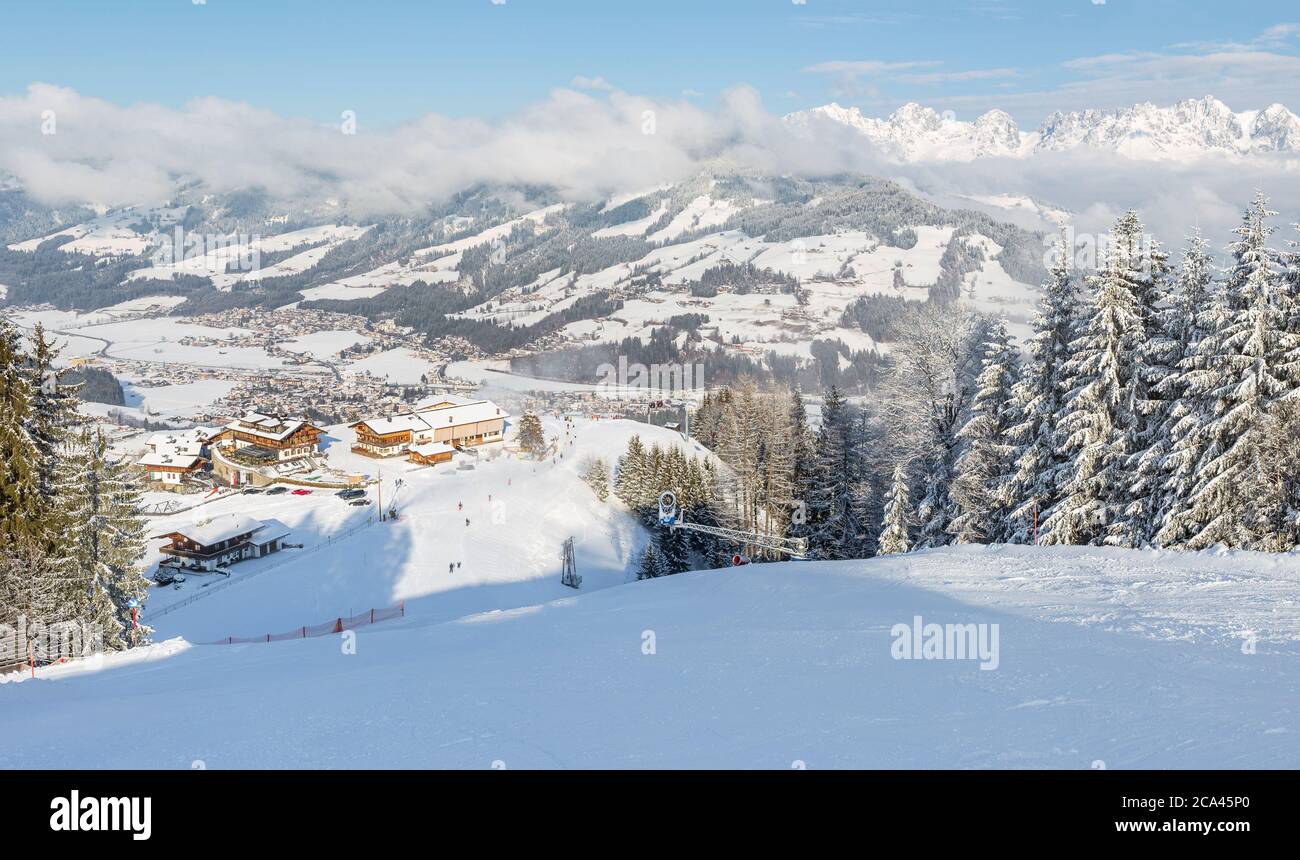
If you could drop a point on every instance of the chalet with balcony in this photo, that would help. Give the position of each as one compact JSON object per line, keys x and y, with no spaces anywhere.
{"x":222,"y":541}
{"x":283,"y":438}
{"x":250,"y":448}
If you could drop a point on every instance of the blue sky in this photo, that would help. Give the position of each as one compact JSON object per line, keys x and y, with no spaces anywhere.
{"x":393,"y":60}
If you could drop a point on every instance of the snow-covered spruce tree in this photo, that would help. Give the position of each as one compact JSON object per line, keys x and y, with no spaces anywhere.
{"x":1175,"y":451}
{"x":596,"y":475}
{"x":53,"y":417}
{"x":106,"y":536}
{"x":987,"y":455}
{"x":835,"y":529}
{"x":629,"y":483}
{"x":23,"y":513}
{"x":30,"y":585}
{"x":531,"y":437}
{"x":1155,"y":360}
{"x":896,"y":530}
{"x":1278,"y":493}
{"x":1249,"y":363}
{"x":863,"y":503}
{"x":1097,"y":424}
{"x":652,"y":566}
{"x":803,"y":469}
{"x":1030,"y":488}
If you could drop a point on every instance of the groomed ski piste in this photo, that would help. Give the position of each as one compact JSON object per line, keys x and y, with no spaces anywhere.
{"x":1104,"y":657}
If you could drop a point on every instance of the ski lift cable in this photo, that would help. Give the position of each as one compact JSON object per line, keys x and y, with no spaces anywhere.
{"x":670,"y":517}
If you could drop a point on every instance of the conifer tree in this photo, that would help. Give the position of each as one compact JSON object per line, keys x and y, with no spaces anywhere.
{"x":1098,"y":422}
{"x":652,"y":566}
{"x":987,"y":456}
{"x":803,"y":468}
{"x":895,"y":534}
{"x":531,"y":437}
{"x":629,"y":483}
{"x":1031,"y":487}
{"x":1249,"y":363}
{"x":53,"y":415}
{"x":596,"y":476}
{"x":1175,"y":452}
{"x":106,"y":536}
{"x":22,"y":507}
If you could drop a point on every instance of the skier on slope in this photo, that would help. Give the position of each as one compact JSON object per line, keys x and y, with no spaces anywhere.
{"x":451,"y":567}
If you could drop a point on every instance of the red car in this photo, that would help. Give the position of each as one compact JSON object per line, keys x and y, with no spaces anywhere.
{"x":302,"y":492}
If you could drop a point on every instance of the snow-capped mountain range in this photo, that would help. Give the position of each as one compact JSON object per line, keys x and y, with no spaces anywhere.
{"x":1186,"y":130}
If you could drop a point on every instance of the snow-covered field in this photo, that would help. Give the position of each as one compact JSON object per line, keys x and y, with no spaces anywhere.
{"x":756,"y":667}
{"x":1134,"y":659}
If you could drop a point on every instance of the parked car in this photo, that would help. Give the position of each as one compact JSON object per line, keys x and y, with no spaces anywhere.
{"x":302,"y":492}
{"x":352,"y":493}
{"x":253,"y":491}
{"x":277,"y":491}
{"x":359,"y":503}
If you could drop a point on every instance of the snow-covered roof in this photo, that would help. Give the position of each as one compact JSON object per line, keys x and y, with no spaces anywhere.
{"x":440,"y":400}
{"x":273,"y":427}
{"x":273,"y":529}
{"x":179,"y":460}
{"x":174,"y":438}
{"x":433,"y":417}
{"x":176,"y":445}
{"x":432,"y":449}
{"x":395,"y":424}
{"x":220,"y":528}
{"x":467,"y":413}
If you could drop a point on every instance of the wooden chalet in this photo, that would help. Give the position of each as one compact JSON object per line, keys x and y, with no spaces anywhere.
{"x":280,"y":437}
{"x":223,"y":540}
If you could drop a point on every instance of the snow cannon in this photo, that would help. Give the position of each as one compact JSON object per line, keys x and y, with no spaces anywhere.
{"x":668,"y":509}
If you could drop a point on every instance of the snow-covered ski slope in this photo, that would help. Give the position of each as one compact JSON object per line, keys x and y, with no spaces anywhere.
{"x":519,"y":513}
{"x":1109,"y":658}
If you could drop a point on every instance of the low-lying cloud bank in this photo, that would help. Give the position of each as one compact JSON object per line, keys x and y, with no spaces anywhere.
{"x":65,"y":148}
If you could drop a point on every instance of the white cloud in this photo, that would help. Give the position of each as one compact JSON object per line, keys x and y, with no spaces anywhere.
{"x":583,"y":144}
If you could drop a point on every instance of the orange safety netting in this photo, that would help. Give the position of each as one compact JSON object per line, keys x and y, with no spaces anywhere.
{"x":337,"y":625}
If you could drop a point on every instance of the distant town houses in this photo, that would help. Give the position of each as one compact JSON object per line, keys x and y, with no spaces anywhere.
{"x":431,"y":433}
{"x":223,"y":540}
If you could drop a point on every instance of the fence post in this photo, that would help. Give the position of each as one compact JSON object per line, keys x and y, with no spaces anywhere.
{"x":372,"y":616}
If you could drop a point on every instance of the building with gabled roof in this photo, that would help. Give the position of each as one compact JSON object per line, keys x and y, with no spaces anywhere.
{"x":260,"y":441}
{"x":174,"y":457}
{"x":287,"y":437}
{"x":223,"y":540}
{"x":453,"y":421}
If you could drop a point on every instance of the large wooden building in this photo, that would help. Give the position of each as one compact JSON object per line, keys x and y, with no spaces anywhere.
{"x":223,"y":540}
{"x":433,"y":431}
{"x":285,"y":438}
{"x":250,"y":448}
